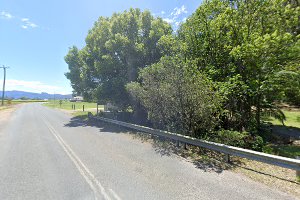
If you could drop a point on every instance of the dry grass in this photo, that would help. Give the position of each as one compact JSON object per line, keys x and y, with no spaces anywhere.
{"x":276,"y":177}
{"x":5,"y":113}
{"x":279,"y":178}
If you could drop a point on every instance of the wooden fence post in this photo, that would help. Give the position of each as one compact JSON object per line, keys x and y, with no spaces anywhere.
{"x":298,"y":171}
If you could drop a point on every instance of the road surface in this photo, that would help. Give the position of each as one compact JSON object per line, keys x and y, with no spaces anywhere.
{"x":47,"y":154}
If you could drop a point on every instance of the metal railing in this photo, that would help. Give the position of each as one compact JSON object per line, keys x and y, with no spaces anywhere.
{"x":226,"y":149}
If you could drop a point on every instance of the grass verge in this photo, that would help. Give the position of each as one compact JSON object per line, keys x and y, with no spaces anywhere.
{"x":279,"y":178}
{"x":10,"y":103}
{"x":67,"y":105}
{"x":82,"y":115}
{"x":292,"y":119}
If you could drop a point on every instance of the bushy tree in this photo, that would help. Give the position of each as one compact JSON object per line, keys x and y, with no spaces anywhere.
{"x":243,"y":46}
{"x":177,"y":96}
{"x":116,"y":48}
{"x":75,"y":66}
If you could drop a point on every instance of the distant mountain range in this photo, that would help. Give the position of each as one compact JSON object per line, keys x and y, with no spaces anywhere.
{"x":31,"y":95}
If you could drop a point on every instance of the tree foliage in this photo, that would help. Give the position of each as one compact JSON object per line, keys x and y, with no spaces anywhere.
{"x":177,"y":96}
{"x":239,"y":55}
{"x":242,"y":46}
{"x":116,"y":48}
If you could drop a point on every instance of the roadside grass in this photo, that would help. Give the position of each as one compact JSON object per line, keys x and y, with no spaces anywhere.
{"x":290,"y":151}
{"x":67,"y":105}
{"x":292,"y":119}
{"x":210,"y":161}
{"x":4,"y":107}
{"x":27,"y":101}
{"x":82,"y":115}
{"x":11,"y":103}
{"x":292,"y":123}
{"x":274,"y":176}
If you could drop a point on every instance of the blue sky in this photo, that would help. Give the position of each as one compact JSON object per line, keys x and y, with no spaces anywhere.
{"x":36,"y":35}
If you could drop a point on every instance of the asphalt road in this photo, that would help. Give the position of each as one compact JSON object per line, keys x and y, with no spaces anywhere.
{"x":46,"y":154}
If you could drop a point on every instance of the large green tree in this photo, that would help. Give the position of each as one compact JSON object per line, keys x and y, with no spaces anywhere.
{"x":75,"y":65}
{"x":116,"y":48}
{"x":177,"y":96}
{"x":243,"y":46}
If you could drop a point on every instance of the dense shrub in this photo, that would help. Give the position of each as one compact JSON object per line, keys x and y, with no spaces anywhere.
{"x":238,"y":139}
{"x":233,"y":138}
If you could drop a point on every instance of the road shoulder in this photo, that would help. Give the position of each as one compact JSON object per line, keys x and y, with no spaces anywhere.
{"x":5,"y":115}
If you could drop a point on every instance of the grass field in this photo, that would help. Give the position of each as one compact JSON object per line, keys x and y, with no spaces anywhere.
{"x":67,"y":105}
{"x":290,"y":151}
{"x":8,"y":104}
{"x":292,"y":119}
{"x":292,"y":123}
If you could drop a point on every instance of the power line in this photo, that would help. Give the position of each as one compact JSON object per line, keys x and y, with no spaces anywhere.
{"x":3,"y":90}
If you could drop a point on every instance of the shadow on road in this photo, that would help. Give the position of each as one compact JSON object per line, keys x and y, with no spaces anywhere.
{"x":76,"y":122}
{"x":289,"y":132}
{"x":201,"y":158}
{"x":80,"y":121}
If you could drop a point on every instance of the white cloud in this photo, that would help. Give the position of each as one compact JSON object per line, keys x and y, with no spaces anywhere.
{"x":6,"y":15}
{"x":162,"y":12}
{"x":28,"y":24}
{"x":179,"y":11}
{"x":33,"y":86}
{"x":24,"y":19}
{"x":25,"y":22}
{"x":170,"y":21}
{"x":177,"y":16}
{"x":33,"y":25}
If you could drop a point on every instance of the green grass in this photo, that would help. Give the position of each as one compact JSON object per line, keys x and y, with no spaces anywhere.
{"x":292,"y":119}
{"x":82,"y":115}
{"x":293,"y":123}
{"x":67,"y":105}
{"x":8,"y":104}
{"x":290,"y":151}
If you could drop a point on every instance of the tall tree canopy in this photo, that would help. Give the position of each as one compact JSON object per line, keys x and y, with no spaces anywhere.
{"x":243,"y":46}
{"x":242,"y":54}
{"x":116,"y":48}
{"x":177,"y":96}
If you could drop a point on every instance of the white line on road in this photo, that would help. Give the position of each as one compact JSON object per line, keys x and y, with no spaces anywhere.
{"x":84,"y":171}
{"x":114,"y":194}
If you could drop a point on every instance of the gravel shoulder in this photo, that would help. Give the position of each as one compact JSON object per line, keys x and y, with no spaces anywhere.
{"x":277,"y":178}
{"x":274,"y":177}
{"x":6,"y":113}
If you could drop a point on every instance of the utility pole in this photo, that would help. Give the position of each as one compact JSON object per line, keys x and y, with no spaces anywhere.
{"x":3,"y":90}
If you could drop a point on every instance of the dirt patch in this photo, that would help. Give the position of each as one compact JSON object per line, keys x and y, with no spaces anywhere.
{"x":279,"y":178}
{"x":70,"y":112}
{"x":5,"y":114}
{"x":276,"y":177}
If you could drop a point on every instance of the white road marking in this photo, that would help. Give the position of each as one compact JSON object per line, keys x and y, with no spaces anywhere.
{"x":114,"y":194}
{"x":84,"y":171}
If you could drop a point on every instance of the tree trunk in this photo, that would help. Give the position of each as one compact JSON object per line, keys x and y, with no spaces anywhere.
{"x":258,"y":110}
{"x":139,"y":114}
